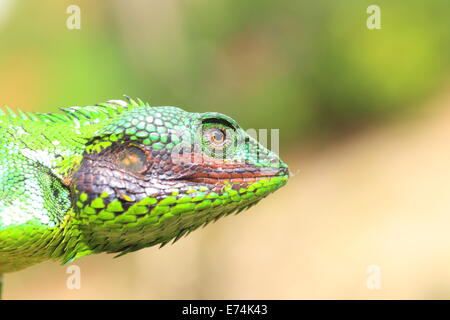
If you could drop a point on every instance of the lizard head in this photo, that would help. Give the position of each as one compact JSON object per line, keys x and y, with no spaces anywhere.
{"x":153,"y":174}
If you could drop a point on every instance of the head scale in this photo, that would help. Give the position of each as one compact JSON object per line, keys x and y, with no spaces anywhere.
{"x":153,"y":174}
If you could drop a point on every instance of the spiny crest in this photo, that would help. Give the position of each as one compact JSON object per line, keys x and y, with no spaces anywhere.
{"x":96,"y":112}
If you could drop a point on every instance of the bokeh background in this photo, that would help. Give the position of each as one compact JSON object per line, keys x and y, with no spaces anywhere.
{"x":364,"y":119}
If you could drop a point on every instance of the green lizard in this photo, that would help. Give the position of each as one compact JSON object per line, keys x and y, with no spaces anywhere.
{"x":120,"y":176}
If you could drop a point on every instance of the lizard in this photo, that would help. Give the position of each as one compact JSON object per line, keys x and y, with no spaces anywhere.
{"x":120,"y":176}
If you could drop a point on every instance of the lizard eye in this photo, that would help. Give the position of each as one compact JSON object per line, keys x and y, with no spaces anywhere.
{"x":132,"y":159}
{"x":218,"y":137}
{"x":215,"y":136}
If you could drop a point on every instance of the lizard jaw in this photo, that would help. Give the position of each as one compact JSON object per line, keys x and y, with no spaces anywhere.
{"x":245,"y":176}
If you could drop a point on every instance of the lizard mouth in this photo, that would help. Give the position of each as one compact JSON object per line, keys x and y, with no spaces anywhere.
{"x":236,"y":177}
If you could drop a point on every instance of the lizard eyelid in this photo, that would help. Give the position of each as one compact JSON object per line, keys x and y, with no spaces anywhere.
{"x":221,"y":121}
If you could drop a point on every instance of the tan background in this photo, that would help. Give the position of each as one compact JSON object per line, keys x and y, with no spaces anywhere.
{"x":381,"y":198}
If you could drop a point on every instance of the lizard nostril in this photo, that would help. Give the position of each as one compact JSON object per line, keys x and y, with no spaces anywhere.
{"x":274,"y":161}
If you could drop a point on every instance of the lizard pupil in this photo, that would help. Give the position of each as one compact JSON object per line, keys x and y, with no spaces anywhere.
{"x":217,"y":136}
{"x":132,"y":159}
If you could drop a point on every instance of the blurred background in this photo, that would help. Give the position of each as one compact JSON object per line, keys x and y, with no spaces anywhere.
{"x":364,"y":119}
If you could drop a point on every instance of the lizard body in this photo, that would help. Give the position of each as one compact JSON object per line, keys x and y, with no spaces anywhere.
{"x":120,"y":176}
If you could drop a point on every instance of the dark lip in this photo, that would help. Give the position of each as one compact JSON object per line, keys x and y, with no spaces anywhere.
{"x":218,"y":177}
